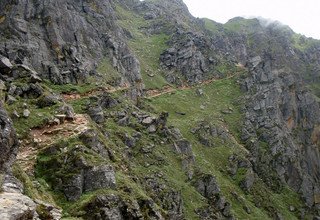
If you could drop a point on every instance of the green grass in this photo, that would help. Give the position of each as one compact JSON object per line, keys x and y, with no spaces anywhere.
{"x":227,"y":69}
{"x":71,"y":88}
{"x":37,"y":118}
{"x":241,"y":25}
{"x":149,"y":53}
{"x":39,"y":192}
{"x":303,"y":43}
{"x":218,"y":96}
{"x":109,"y":74}
{"x":149,"y":59}
{"x":212,"y":26}
{"x":79,"y":105}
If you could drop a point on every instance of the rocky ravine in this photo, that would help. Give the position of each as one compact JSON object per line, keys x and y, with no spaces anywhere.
{"x":70,"y":71}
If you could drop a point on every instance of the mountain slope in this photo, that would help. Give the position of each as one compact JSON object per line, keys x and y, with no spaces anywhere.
{"x":138,"y":110}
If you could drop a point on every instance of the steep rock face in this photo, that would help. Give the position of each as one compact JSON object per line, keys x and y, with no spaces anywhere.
{"x":282,"y":129}
{"x":186,"y":57}
{"x":64,"y":40}
{"x":168,"y":11}
{"x":13,"y":204}
{"x":281,"y":116}
{"x":8,"y":141}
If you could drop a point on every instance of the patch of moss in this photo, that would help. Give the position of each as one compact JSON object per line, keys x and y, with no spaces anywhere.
{"x":240,"y":175}
{"x":43,"y":212}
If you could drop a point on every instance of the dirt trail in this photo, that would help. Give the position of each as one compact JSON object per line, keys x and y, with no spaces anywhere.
{"x":42,"y":137}
{"x":157,"y":92}
{"x":149,"y":93}
{"x":47,"y":135}
{"x":74,"y":96}
{"x":168,"y":89}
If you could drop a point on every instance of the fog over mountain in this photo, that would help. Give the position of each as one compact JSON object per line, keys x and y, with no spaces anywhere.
{"x":301,"y":16}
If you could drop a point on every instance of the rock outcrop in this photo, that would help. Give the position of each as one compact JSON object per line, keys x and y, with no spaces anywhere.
{"x":113,"y":207}
{"x":281,"y":129}
{"x":9,"y":142}
{"x":218,"y":208}
{"x":73,"y":174}
{"x":65,"y":41}
{"x":186,"y":57}
{"x":13,"y":204}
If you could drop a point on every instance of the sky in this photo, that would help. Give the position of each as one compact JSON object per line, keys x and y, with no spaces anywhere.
{"x":303,"y":16}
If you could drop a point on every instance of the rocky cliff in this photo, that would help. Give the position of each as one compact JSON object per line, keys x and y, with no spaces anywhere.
{"x":138,"y":110}
{"x":9,"y":141}
{"x":64,"y":41}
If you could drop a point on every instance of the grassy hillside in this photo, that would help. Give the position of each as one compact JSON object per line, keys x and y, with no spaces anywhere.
{"x":219,"y":96}
{"x":138,"y":154}
{"x":146,"y":47}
